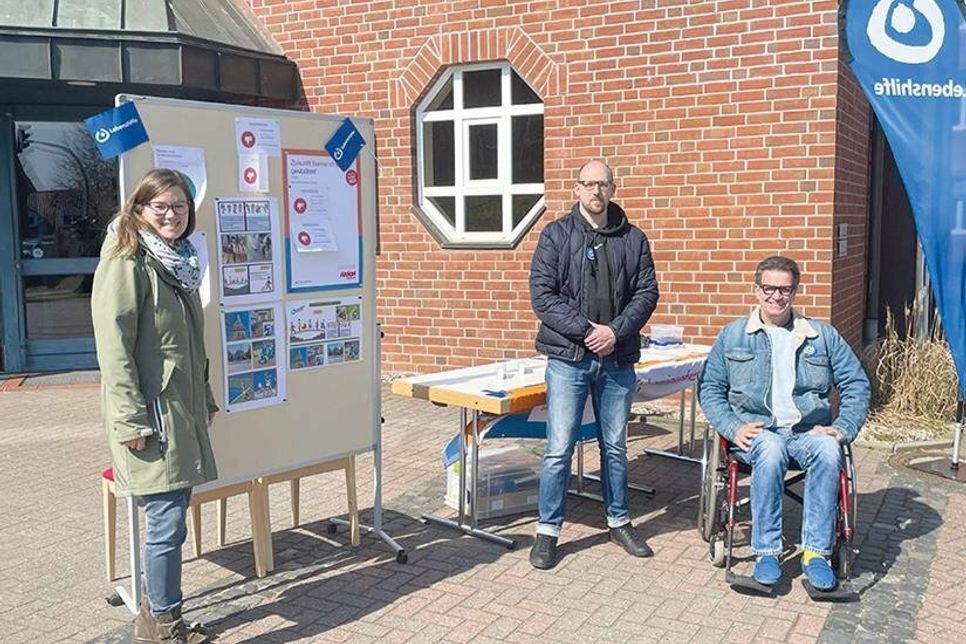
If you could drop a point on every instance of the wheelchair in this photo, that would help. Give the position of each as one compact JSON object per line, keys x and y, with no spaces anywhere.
{"x":719,"y":503}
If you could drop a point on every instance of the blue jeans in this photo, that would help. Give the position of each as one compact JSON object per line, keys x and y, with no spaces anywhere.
{"x":771,"y":452}
{"x":165,"y":534}
{"x":568,"y":384}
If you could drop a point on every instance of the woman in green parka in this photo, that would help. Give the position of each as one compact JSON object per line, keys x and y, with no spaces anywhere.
{"x":156,"y":402}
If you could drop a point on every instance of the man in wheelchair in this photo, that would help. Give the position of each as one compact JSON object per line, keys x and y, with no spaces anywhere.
{"x":766,"y":388}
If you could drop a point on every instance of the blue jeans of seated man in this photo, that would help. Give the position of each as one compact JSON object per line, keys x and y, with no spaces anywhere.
{"x":166,"y":515}
{"x":568,"y":385}
{"x":769,"y":455}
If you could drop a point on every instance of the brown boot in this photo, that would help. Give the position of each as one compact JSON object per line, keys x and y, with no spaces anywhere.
{"x":165,"y":627}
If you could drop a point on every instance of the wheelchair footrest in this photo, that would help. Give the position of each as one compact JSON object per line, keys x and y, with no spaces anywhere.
{"x":843,"y":593}
{"x":748,"y":584}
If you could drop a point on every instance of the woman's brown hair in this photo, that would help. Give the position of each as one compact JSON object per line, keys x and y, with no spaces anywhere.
{"x":129,"y":220}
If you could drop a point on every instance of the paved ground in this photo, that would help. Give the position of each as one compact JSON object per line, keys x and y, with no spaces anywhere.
{"x":911,"y":539}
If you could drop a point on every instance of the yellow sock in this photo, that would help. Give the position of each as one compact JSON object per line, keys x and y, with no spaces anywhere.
{"x":808,"y":555}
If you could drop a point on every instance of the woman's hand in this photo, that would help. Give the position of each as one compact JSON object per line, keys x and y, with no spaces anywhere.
{"x":137,"y":444}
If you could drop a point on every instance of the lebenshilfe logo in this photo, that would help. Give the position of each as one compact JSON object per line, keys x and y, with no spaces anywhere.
{"x":117,"y":130}
{"x":919,"y":30}
{"x":103,"y":134}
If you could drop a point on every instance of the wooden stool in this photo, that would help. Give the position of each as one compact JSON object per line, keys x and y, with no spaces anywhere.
{"x":263,"y":526}
{"x":109,"y":502}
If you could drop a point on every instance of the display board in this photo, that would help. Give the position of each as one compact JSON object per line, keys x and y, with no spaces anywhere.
{"x":289,"y":300}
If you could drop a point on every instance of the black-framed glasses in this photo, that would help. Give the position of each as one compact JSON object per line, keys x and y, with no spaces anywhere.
{"x":769,"y":289}
{"x":161,"y":208}
{"x":590,"y":185}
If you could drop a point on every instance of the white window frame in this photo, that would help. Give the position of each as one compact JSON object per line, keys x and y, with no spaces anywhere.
{"x":462,"y":118}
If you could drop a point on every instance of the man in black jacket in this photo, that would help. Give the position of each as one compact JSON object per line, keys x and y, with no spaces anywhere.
{"x":592,"y":285}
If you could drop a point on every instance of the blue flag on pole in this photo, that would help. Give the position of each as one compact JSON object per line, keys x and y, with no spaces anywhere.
{"x":345,"y":144}
{"x":117,"y":130}
{"x":909,"y":57}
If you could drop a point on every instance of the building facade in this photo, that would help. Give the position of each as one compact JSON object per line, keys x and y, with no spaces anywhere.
{"x":734,"y":127}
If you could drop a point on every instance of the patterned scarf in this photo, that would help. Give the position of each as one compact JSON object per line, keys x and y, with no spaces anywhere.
{"x":181,"y":260}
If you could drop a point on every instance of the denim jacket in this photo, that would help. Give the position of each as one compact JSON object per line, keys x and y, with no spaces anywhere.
{"x":735,"y":384}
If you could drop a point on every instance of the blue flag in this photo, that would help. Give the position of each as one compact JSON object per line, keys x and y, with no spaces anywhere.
{"x":909,"y":57}
{"x":345,"y":144}
{"x":117,"y":130}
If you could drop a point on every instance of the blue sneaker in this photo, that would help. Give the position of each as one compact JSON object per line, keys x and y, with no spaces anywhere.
{"x":767,"y":570}
{"x":819,"y":573}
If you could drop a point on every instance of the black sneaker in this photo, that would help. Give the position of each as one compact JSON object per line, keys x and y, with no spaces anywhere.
{"x":626,"y":538}
{"x":543,"y":554}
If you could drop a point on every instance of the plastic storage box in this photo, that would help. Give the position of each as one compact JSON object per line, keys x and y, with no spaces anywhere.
{"x":508,"y":482}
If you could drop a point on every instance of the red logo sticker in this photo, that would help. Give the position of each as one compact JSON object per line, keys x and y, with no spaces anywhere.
{"x":304,"y":238}
{"x":248,"y":139}
{"x":352,"y":177}
{"x":300,"y":205}
{"x":251,"y":176}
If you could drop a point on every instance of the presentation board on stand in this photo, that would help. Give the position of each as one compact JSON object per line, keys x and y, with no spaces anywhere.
{"x":283,"y":360}
{"x":289,"y":240}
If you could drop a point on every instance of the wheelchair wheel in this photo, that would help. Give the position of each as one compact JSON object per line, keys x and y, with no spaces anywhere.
{"x":716,"y":551}
{"x":709,"y":512}
{"x":841,"y":560}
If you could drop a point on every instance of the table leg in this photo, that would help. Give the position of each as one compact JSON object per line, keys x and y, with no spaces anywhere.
{"x":593,"y":477}
{"x":679,"y":455}
{"x":461,"y":524}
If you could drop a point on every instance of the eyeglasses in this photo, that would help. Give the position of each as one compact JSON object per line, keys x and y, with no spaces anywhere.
{"x":161,"y":208}
{"x":770,"y":290}
{"x":590,"y":185}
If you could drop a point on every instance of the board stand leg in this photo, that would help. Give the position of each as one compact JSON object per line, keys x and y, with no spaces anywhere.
{"x":376,"y":527}
{"x":131,"y":598}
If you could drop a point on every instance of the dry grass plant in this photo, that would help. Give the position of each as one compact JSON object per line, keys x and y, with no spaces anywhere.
{"x":914,"y":383}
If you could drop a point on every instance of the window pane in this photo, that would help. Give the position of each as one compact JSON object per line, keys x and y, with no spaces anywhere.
{"x":66,"y":193}
{"x":439,"y":154}
{"x":483,"y":151}
{"x":58,"y":306}
{"x":481,"y":88}
{"x":521,"y":206}
{"x":443,"y":99}
{"x":447,"y":206}
{"x":527,"y":146}
{"x":521,"y":93}
{"x":484,"y":213}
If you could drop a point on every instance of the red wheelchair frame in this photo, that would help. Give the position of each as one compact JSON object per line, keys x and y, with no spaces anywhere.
{"x":718,"y":502}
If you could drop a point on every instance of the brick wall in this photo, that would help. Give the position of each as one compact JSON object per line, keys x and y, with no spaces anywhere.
{"x":851,"y":207}
{"x":724,"y":121}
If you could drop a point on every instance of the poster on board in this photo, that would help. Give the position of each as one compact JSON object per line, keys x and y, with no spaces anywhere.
{"x":323,"y":333}
{"x":251,"y":353}
{"x":190,"y":162}
{"x":248,"y":236}
{"x":323,"y":230}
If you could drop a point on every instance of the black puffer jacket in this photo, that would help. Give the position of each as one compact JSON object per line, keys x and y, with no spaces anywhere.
{"x":558,"y":287}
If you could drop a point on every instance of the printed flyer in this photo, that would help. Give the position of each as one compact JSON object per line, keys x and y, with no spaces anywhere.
{"x":253,"y":377}
{"x":249,"y":266}
{"x":324,"y":333}
{"x":323,"y":223}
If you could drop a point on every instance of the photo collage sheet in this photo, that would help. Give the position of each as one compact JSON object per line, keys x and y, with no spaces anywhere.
{"x":323,"y":334}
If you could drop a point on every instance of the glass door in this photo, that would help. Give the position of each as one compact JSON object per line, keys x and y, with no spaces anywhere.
{"x":64,"y":197}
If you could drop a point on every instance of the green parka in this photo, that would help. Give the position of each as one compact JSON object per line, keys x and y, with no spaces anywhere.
{"x":154,"y":374}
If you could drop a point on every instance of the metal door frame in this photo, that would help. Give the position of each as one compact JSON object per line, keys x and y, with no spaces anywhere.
{"x":21,"y":354}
